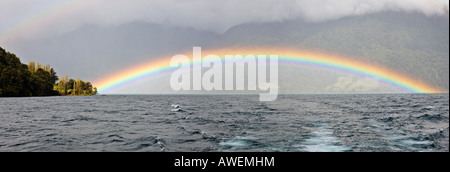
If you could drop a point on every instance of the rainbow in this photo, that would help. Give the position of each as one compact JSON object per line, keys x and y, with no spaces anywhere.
{"x":56,"y":11}
{"x":40,"y":19}
{"x":294,"y":57}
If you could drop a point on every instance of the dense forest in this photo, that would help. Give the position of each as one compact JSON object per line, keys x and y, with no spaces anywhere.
{"x":21,"y":80}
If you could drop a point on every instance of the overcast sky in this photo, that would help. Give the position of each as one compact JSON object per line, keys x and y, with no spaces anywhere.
{"x":54,"y":31}
{"x":60,"y":16}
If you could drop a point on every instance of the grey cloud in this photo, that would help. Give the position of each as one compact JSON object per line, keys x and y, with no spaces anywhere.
{"x":209,"y":15}
{"x":320,"y":10}
{"x":218,"y":16}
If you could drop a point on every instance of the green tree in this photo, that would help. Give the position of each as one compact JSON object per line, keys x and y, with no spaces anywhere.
{"x":70,"y":84}
{"x":55,"y":77}
{"x":14,"y":76}
{"x":42,"y":83}
{"x":88,"y":88}
{"x":10,"y":80}
{"x":95,"y":91}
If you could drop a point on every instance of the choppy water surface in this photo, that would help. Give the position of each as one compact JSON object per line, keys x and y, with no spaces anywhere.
{"x":396,"y":122}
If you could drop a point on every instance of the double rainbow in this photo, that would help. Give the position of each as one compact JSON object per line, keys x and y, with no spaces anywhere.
{"x":294,"y":57}
{"x":56,"y":11}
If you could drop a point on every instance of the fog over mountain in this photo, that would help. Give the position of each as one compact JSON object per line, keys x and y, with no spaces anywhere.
{"x":411,"y":43}
{"x":98,"y":38}
{"x":217,"y":16}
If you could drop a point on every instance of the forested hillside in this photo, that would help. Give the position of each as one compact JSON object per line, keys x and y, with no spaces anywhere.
{"x":17,"y":79}
{"x":20,"y":80}
{"x":410,"y":43}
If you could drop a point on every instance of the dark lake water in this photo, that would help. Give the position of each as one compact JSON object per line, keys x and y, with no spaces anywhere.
{"x":384,"y":122}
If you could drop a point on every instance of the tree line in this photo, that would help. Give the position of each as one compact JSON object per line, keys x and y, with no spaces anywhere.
{"x":21,"y":80}
{"x":68,"y":86}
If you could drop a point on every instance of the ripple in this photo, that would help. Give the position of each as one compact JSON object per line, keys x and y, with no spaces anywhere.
{"x":236,"y":123}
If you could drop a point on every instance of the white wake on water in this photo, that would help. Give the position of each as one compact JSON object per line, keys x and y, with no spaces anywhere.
{"x":322,"y":140}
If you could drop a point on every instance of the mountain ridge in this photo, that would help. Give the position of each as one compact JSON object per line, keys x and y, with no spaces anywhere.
{"x":410,"y":43}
